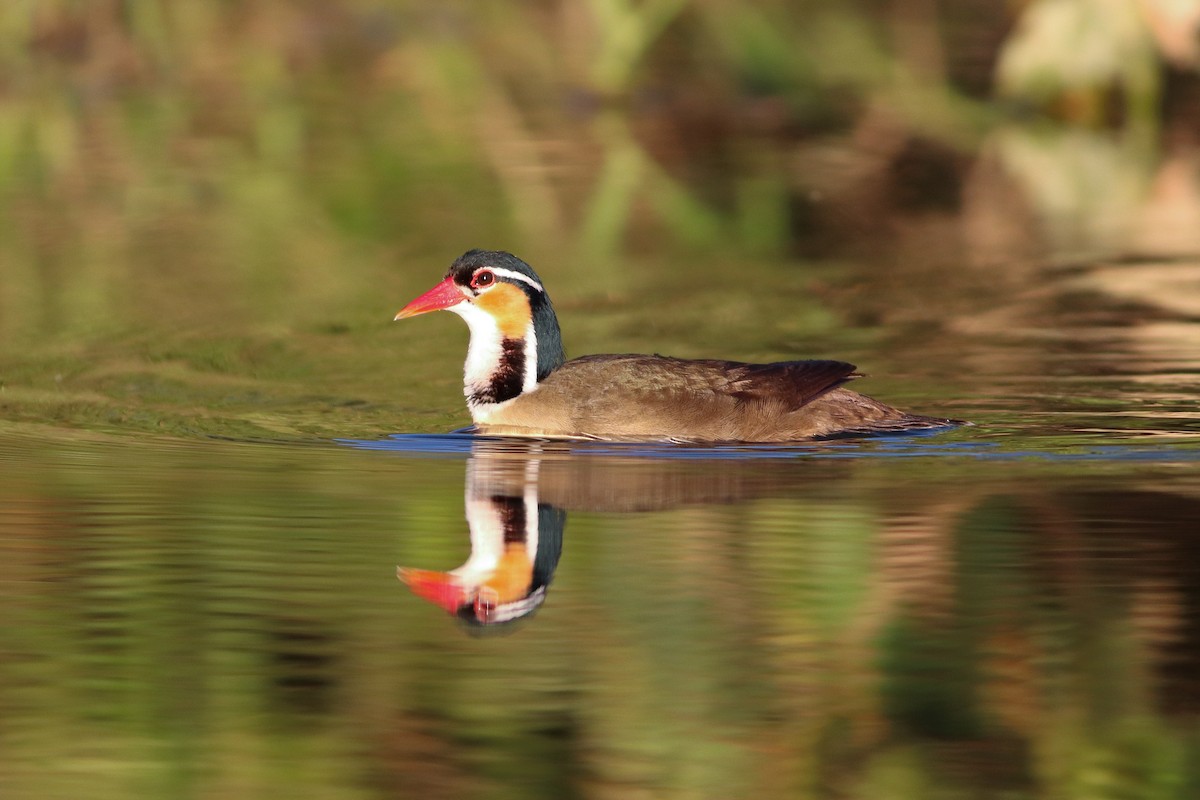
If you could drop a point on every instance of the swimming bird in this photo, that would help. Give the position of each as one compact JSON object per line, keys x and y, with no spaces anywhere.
{"x":518,"y":381}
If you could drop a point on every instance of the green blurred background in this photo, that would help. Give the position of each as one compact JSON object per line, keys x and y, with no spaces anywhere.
{"x":213,"y":207}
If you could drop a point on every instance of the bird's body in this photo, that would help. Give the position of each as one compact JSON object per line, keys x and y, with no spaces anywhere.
{"x":518,"y":382}
{"x":655,"y":397}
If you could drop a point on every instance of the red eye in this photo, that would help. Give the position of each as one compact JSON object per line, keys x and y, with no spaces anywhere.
{"x":483,"y":278}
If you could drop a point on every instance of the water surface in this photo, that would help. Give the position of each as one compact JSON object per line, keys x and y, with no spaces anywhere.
{"x":1007,"y":610}
{"x":202,"y":526}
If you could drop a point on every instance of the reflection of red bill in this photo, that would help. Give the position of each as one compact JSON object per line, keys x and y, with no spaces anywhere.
{"x":440,"y":588}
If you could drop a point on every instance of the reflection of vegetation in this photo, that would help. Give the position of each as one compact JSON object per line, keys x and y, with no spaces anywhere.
{"x":191,"y":619}
{"x":1090,"y":185}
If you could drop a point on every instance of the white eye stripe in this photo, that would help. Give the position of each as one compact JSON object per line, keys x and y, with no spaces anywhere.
{"x":516,"y":276}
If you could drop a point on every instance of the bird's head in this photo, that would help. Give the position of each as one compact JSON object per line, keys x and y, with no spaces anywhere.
{"x":501,"y":299}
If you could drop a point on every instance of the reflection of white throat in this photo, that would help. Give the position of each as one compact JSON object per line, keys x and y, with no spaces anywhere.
{"x":485,"y":518}
{"x":487,"y":542}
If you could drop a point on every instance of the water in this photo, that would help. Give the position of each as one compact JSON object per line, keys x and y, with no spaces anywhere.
{"x":225,"y":553}
{"x":1007,"y":610}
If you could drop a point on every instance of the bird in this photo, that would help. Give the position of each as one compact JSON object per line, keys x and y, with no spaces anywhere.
{"x":519,"y":383}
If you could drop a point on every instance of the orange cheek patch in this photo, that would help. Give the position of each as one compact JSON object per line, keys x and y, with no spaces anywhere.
{"x":509,"y":306}
{"x":513,"y":574}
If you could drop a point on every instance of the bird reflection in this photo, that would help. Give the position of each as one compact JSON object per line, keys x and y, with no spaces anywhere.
{"x":515,"y":544}
{"x":516,"y":501}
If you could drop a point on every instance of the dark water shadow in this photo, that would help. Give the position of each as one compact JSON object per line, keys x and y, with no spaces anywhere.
{"x":1061,"y":446}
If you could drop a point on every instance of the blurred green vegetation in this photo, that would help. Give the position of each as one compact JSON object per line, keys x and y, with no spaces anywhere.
{"x":209,"y":210}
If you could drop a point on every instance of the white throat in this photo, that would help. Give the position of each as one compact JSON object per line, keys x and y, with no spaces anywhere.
{"x":486,"y":360}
